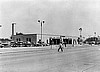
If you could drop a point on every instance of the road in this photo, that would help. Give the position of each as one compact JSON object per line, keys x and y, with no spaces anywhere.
{"x":73,"y":59}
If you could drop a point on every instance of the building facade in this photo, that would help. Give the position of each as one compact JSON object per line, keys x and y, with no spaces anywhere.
{"x":56,"y":41}
{"x":25,"y":38}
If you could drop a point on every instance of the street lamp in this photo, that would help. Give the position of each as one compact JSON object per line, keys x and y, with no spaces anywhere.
{"x":41,"y":22}
{"x":95,"y":34}
{"x":80,"y":29}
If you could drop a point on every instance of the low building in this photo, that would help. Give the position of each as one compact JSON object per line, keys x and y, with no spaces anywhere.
{"x":25,"y":38}
{"x":66,"y":40}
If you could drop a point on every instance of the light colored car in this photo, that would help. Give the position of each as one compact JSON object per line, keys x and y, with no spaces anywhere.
{"x":1,"y":46}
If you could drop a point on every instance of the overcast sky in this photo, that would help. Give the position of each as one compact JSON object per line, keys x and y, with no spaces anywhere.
{"x":63,"y":17}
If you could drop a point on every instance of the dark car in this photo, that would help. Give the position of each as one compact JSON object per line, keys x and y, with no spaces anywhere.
{"x":97,"y":42}
{"x":44,"y":44}
{"x":6,"y":45}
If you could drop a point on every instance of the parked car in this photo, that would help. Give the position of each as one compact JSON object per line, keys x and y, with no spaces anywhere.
{"x":27,"y":44}
{"x":97,"y":42}
{"x":37,"y":44}
{"x":1,"y":46}
{"x":13,"y":44}
{"x":19,"y":43}
{"x":6,"y":44}
{"x":44,"y":44}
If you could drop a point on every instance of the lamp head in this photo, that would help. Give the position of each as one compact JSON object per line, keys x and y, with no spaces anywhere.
{"x":43,"y":21}
{"x":38,"y":20}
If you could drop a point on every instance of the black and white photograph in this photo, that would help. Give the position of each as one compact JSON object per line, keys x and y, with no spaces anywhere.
{"x":49,"y":35}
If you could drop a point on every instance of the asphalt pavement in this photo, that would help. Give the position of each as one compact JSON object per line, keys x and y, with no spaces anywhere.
{"x":44,"y":59}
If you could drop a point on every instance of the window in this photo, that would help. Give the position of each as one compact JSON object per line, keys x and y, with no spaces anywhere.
{"x":17,"y":39}
{"x":28,"y":39}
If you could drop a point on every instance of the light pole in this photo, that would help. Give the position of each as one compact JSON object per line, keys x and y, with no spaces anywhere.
{"x":41,"y":22}
{"x":0,"y":25}
{"x":80,"y":39}
{"x":80,"y":29}
{"x":95,"y":34}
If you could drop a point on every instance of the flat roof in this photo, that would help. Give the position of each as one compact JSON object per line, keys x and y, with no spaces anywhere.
{"x":24,"y":34}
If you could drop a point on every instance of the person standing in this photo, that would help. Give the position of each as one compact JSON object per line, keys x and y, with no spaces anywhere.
{"x":65,"y":44}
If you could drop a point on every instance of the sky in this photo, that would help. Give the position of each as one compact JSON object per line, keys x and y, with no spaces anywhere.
{"x":62,"y":17}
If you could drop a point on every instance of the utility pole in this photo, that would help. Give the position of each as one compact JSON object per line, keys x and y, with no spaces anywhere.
{"x":95,"y":34}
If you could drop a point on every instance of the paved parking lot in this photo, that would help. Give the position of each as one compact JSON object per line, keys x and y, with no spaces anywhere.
{"x":73,"y":59}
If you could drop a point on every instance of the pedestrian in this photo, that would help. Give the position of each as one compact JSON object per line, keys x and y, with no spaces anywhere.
{"x":60,"y":47}
{"x":65,"y":44}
